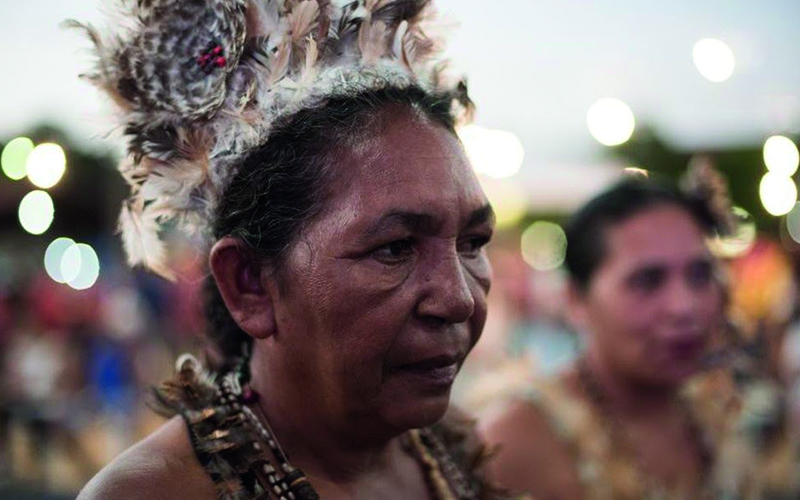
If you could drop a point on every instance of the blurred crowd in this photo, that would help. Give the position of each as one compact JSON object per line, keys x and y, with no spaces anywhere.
{"x":77,"y":368}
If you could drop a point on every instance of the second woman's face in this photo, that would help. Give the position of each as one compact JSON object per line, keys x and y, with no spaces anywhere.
{"x":653,"y":302}
{"x":385,"y":292}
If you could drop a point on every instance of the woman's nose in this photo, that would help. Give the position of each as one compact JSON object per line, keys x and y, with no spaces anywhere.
{"x":446,"y":294}
{"x":682,"y":299}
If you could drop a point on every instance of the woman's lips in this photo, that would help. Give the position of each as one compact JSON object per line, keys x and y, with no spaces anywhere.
{"x":687,"y":349}
{"x":438,"y":371}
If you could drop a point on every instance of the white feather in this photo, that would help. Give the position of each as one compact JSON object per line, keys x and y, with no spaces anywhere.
{"x":177,"y":180}
{"x":372,"y":41}
{"x":141,"y":241}
{"x":310,"y":66}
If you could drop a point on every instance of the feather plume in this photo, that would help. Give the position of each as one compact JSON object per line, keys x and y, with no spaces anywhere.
{"x":394,"y":12}
{"x":371,"y":5}
{"x":289,"y":5}
{"x":105,"y":75}
{"x":372,"y":41}
{"x":440,"y":74}
{"x":176,"y":180}
{"x":323,"y":23}
{"x":416,"y":47}
{"x":464,"y":108}
{"x":135,"y":172}
{"x":199,"y":84}
{"x":397,"y":40}
{"x":280,"y":62}
{"x":141,"y":240}
{"x":194,"y":143}
{"x":303,"y":19}
{"x":263,"y":18}
{"x":257,"y":49}
{"x":705,"y":184}
{"x":346,"y":29}
{"x":147,"y":141}
{"x":164,"y":209}
{"x":192,"y":387}
{"x":309,"y":68}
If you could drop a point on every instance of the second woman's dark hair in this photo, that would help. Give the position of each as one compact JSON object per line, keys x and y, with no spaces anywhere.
{"x":587,"y":228}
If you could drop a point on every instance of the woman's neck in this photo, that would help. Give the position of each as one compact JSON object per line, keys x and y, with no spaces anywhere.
{"x":627,"y":396}
{"x":325,"y":447}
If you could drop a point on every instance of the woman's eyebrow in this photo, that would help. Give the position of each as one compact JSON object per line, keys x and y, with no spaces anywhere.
{"x":421,"y":222}
{"x":413,"y":221}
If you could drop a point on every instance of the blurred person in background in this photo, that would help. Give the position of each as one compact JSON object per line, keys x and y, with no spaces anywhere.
{"x":791,"y":363}
{"x":6,"y":330}
{"x":624,"y":421}
{"x":348,"y":276}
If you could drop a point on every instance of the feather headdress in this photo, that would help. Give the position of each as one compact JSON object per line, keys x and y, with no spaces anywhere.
{"x":201,"y":82}
{"x":705,"y":184}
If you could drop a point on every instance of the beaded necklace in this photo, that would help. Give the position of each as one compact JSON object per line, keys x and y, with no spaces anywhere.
{"x":618,"y":435}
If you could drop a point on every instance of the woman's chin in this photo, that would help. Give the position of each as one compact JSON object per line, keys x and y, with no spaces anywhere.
{"x":677,"y":374}
{"x":413,"y":400}
{"x":417,"y":414}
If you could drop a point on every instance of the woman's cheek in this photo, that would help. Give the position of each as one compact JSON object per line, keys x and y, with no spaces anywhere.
{"x":373,"y":276}
{"x":480,"y":270}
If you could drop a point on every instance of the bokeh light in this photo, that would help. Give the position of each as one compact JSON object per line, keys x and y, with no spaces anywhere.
{"x":781,"y":155}
{"x":36,"y":212}
{"x":14,"y":156}
{"x":495,"y":153}
{"x":713,"y":59}
{"x":70,"y":263}
{"x":53,"y":255}
{"x":738,"y":243}
{"x":793,"y":223}
{"x":508,"y":199}
{"x":46,"y":165}
{"x":611,"y":121}
{"x":778,"y":193}
{"x":80,"y":266}
{"x":544,"y":245}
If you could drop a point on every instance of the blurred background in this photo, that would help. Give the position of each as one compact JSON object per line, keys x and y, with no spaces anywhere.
{"x":571,"y":95}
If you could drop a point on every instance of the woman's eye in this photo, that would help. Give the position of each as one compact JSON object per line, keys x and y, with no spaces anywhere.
{"x":473,"y":245}
{"x":700,"y":274}
{"x":648,"y":280}
{"x":394,"y":252}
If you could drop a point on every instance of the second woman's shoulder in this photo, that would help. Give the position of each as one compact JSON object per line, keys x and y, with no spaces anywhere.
{"x":530,"y":452}
{"x":162,"y":466}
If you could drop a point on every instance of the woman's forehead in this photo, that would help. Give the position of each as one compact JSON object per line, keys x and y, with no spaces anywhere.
{"x":662,"y":234}
{"x":411,"y":166}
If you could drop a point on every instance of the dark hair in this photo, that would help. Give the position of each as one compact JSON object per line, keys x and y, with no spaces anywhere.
{"x":586,"y":229}
{"x":281,"y":186}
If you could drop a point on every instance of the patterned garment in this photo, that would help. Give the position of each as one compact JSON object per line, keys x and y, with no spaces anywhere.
{"x":753,"y":454}
{"x":232,"y":445}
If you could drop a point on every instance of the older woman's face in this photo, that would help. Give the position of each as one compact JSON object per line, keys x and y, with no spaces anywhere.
{"x":385,"y":292}
{"x":653,"y":302}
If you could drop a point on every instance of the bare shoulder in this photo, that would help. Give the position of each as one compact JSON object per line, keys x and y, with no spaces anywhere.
{"x":162,"y":466}
{"x":528,"y":455}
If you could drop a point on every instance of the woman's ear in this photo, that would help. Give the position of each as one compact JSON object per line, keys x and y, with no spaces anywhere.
{"x":243,"y":288}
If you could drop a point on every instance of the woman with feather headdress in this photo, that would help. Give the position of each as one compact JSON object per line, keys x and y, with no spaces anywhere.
{"x":311,"y":145}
